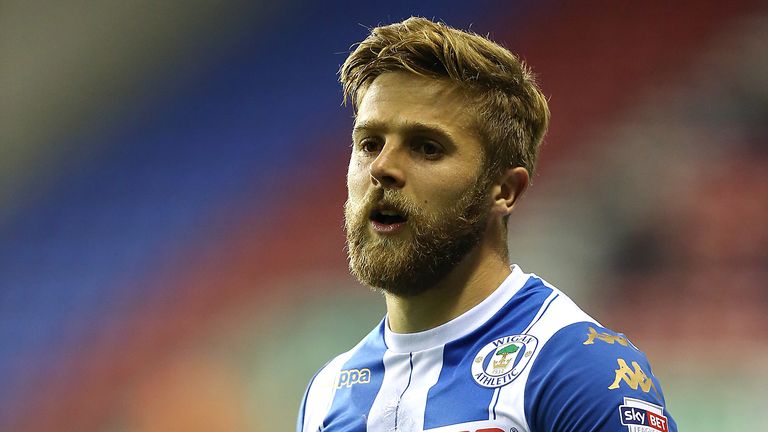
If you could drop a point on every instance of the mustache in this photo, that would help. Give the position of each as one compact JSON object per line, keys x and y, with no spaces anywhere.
{"x":388,"y":198}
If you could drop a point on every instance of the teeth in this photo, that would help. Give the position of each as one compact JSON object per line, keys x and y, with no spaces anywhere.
{"x":389,"y":213}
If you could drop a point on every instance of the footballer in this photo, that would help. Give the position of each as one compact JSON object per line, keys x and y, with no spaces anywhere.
{"x":446,"y":134}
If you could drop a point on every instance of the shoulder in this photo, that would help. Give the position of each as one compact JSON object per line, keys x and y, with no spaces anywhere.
{"x":320,"y":392}
{"x":589,"y":378}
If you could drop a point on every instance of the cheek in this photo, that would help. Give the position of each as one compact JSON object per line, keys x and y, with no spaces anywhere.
{"x":357,"y":177}
{"x":441,"y":189}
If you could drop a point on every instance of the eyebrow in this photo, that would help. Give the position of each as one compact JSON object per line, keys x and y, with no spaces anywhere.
{"x":407,"y":126}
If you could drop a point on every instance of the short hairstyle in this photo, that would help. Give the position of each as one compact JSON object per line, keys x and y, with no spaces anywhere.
{"x":512,"y":112}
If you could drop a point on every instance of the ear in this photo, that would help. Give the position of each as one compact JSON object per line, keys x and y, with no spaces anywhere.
{"x":509,"y":188}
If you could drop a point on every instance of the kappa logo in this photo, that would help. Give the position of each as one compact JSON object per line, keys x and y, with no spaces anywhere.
{"x":501,"y":361}
{"x":349,"y":377}
{"x":641,"y":416}
{"x":605,"y":337}
{"x":633,"y":378}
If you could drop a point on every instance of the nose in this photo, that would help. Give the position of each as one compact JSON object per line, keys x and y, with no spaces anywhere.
{"x":387,"y":170}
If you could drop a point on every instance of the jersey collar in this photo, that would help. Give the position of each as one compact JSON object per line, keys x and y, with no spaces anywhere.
{"x":461,"y":325}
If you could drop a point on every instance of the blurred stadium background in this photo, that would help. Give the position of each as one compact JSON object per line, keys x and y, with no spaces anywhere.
{"x":172,"y":176}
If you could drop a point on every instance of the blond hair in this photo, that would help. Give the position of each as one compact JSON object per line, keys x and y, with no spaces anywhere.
{"x":512,"y":113}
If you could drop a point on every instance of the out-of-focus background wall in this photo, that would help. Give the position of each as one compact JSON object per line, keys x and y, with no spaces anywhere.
{"x":172,"y":177}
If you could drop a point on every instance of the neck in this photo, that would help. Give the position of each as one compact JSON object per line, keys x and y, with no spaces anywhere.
{"x":473,"y":279}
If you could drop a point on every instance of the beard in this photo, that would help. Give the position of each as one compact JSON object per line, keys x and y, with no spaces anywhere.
{"x":410,"y":265}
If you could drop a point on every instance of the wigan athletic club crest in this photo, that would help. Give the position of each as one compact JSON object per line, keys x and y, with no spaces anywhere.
{"x":501,"y":361}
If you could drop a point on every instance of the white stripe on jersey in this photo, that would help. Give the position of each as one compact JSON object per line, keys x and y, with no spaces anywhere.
{"x":492,"y":405}
{"x":426,"y":367}
{"x":402,"y":399}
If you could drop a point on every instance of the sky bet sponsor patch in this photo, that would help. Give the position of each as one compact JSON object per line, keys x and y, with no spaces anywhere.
{"x":641,"y":416}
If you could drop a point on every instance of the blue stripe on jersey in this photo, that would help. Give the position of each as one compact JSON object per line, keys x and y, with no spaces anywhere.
{"x":448,"y":401}
{"x":352,"y":402}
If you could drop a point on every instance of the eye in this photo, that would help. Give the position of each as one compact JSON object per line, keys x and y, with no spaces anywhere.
{"x":369,"y":146}
{"x":428,"y":149}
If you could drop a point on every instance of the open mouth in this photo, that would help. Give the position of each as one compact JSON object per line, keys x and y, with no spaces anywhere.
{"x":385,"y":219}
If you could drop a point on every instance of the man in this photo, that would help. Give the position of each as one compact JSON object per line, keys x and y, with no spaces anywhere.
{"x":446,"y":135}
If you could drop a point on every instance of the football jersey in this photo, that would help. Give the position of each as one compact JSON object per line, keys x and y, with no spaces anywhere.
{"x":526,"y":359}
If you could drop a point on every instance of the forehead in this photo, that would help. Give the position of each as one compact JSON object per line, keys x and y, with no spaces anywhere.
{"x":399,"y":98}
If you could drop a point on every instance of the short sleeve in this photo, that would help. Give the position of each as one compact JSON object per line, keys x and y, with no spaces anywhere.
{"x":591,"y":379}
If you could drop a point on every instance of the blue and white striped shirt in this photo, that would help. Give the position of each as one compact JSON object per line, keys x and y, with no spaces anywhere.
{"x":526,"y":359}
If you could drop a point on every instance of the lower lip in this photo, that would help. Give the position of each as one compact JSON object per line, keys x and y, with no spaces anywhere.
{"x":387,"y":228}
